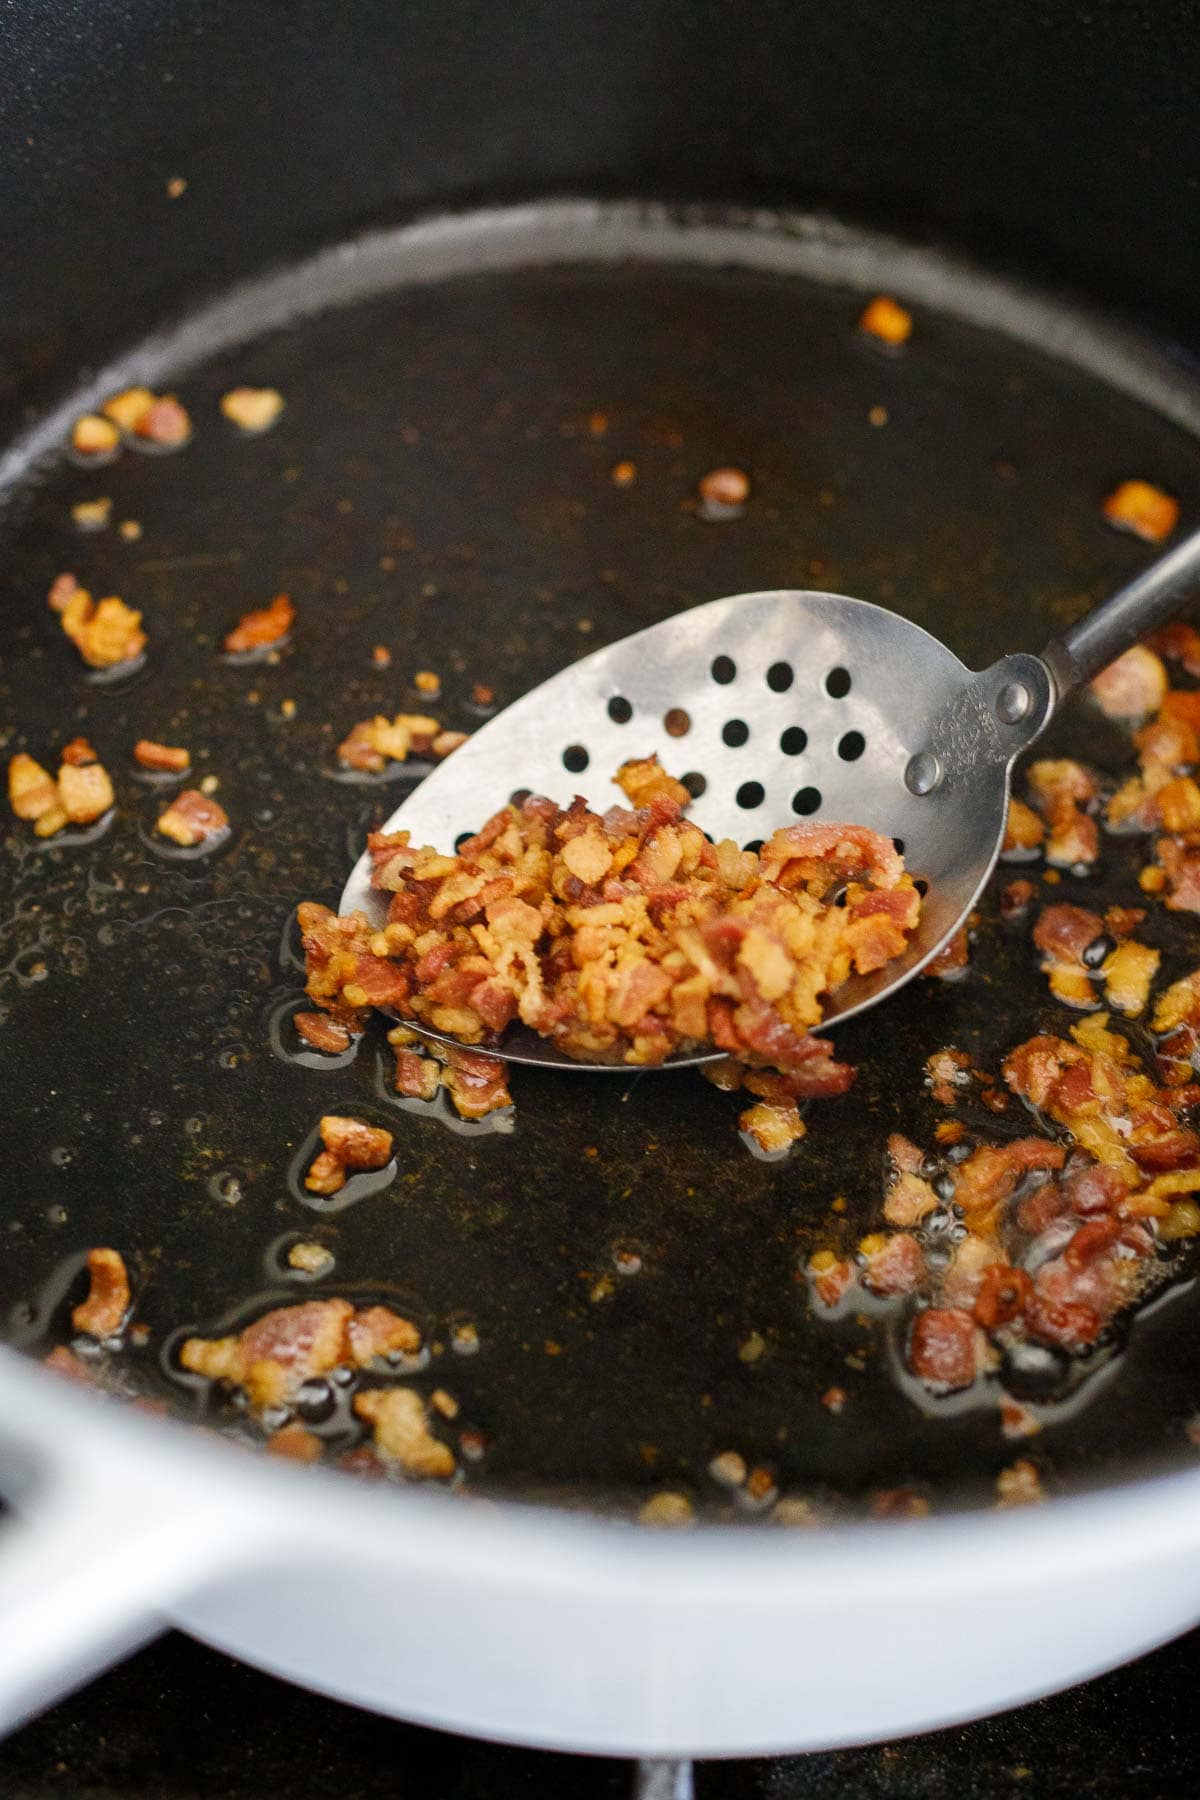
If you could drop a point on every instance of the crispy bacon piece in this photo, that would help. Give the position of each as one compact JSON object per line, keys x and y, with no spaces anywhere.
{"x":892,"y":1263}
{"x":274,"y":1356}
{"x":252,"y":409}
{"x":942,"y":1348}
{"x":986,"y":1180}
{"x":1062,"y":790}
{"x":1133,"y":687}
{"x":885,"y":319}
{"x":193,"y":818}
{"x":373,"y":743}
{"x":164,"y":758}
{"x":106,"y":1308}
{"x":322,"y":1032}
{"x":105,"y":632}
{"x":1143,"y":509}
{"x":1024,"y":831}
{"x":259,"y":629}
{"x":831,"y":1276}
{"x":350,"y":1146}
{"x":402,"y":1434}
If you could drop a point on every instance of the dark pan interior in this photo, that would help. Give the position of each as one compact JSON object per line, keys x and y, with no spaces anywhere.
{"x":435,"y":486}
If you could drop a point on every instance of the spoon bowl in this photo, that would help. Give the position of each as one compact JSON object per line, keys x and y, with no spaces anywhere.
{"x":782,"y":706}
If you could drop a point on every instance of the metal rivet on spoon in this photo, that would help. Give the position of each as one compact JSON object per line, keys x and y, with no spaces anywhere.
{"x":1013,"y":702}
{"x":923,"y":773}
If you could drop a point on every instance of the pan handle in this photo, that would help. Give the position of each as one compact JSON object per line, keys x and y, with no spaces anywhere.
{"x":1153,"y":598}
{"x":87,"y":1562}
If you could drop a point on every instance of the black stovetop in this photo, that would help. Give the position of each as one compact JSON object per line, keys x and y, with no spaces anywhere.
{"x":179,"y":1722}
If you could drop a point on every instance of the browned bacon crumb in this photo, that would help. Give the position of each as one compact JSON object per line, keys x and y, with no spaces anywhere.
{"x":1023,"y":832}
{"x":192,"y":819}
{"x":886,"y":319}
{"x":1062,"y":791}
{"x":63,"y":1361}
{"x":259,"y":629}
{"x":624,"y":937}
{"x":1020,"y":1484}
{"x":667,"y":1510}
{"x":105,"y":632}
{"x":92,"y":435}
{"x":402,"y":1432}
{"x":295,"y":1443}
{"x":350,"y":1146}
{"x":164,"y":758}
{"x":1080,"y":950}
{"x":723,"y":493}
{"x":91,"y":515}
{"x":252,"y":409}
{"x":1133,"y":687}
{"x":1143,"y":509}
{"x":322,"y":1032}
{"x":952,"y":958}
{"x":273,"y":1357}
{"x":106,"y":1308}
{"x":310,"y":1258}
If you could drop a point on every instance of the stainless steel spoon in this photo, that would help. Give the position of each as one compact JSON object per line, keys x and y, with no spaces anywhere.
{"x":786,"y":705}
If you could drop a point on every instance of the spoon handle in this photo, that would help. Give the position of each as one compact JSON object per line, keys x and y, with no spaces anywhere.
{"x":1153,"y":598}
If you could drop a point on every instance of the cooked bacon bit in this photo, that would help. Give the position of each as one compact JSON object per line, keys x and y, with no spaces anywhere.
{"x":1015,"y":897}
{"x":402,"y":1434}
{"x":165,"y":423}
{"x":892,"y":1264}
{"x":259,"y":629}
{"x":1128,"y":974}
{"x":106,"y":1308}
{"x":773,"y":1127}
{"x":85,"y":791}
{"x":444,"y":1403}
{"x":1016,"y":1420}
{"x":830,"y":1276}
{"x":447,"y":741}
{"x":278,"y":1353}
{"x":952,"y":958}
{"x":1180,"y":643}
{"x":426,"y":682}
{"x":252,"y":409}
{"x":948,"y":1072}
{"x":1143,"y":509}
{"x":78,"y":753}
{"x":91,"y":515}
{"x":377,"y":1331}
{"x":294,"y":1442}
{"x":942,"y":1348}
{"x":887,"y":320}
{"x":32,"y":790}
{"x":381,"y":656}
{"x":907,"y":1199}
{"x":106,"y":632}
{"x":1062,"y":790}
{"x":1019,"y":1485}
{"x":667,"y":1511}
{"x":1002,"y":1296}
{"x":93,"y":436}
{"x":1181,"y":866}
{"x":645,"y":781}
{"x":834,"y":1399}
{"x":193,"y":818}
{"x":373,"y":743}
{"x":163,"y":757}
{"x":65,"y":1362}
{"x":350,"y":1145}
{"x":322,"y":1032}
{"x":1023,"y":831}
{"x":1133,"y":687}
{"x":127,"y":409}
{"x":477,"y":1085}
{"x":899,"y":1503}
{"x":723,"y":492}
{"x":728,"y":1469}
{"x":624,"y":474}
{"x":310,"y":1259}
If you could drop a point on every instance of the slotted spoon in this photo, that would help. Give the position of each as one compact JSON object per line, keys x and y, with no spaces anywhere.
{"x":786,"y":706}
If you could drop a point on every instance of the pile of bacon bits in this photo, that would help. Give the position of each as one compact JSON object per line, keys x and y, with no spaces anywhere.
{"x":304,"y":1364}
{"x":374,"y":743}
{"x":1004,"y":1252}
{"x":623,"y":937}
